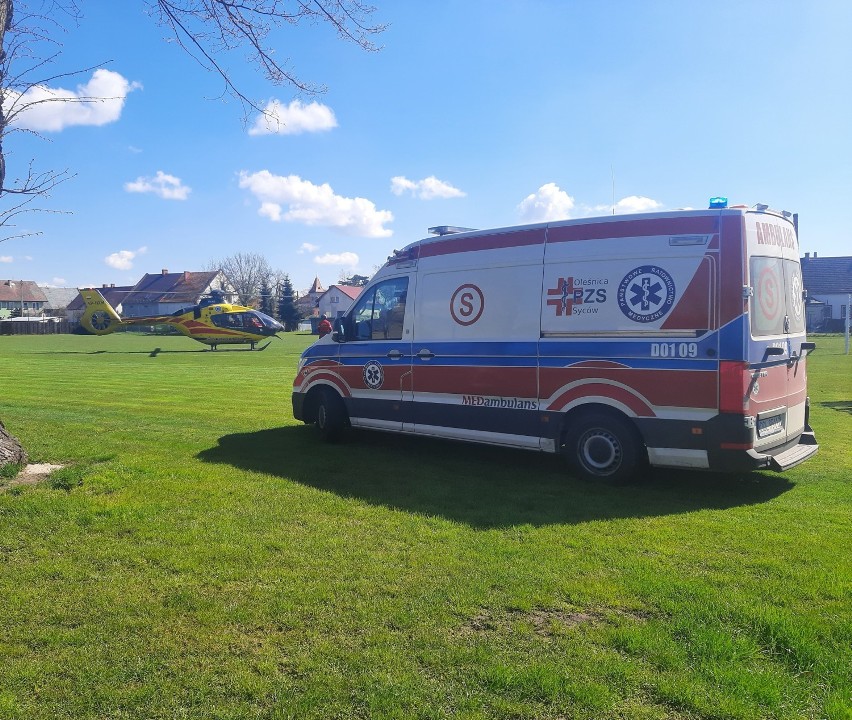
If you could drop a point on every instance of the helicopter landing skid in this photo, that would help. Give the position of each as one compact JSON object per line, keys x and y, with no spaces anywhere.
{"x":262,"y":347}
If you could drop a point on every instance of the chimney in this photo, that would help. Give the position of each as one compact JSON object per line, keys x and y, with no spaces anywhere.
{"x":807,"y":256}
{"x":112,"y":284}
{"x":105,"y":285}
{"x":165,"y":271}
{"x":815,"y":254}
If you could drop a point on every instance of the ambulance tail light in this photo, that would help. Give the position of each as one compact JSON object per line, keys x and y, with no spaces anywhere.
{"x":734,"y":379}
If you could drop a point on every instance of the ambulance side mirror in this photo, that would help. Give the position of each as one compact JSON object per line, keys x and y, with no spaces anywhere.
{"x":339,"y":333}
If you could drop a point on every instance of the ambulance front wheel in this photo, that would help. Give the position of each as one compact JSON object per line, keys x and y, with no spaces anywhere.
{"x":603,"y":446}
{"x":331,"y":416}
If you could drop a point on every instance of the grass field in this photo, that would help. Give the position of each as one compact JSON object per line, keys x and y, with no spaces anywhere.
{"x":203,"y":555}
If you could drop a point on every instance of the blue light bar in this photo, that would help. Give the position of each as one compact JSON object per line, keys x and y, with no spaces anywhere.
{"x":718,"y":202}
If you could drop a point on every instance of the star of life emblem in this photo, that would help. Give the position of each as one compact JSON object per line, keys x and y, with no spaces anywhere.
{"x":374,"y":375}
{"x":646,"y":293}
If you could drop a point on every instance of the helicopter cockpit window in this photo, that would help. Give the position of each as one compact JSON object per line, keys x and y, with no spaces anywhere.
{"x":379,"y":314}
{"x":246,"y":321}
{"x":228,"y":320}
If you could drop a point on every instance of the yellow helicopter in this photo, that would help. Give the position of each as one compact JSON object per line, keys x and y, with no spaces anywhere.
{"x":212,"y":322}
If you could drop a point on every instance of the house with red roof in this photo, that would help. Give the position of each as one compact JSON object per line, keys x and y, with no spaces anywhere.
{"x":162,"y":293}
{"x":335,"y":301}
{"x":21,"y":296}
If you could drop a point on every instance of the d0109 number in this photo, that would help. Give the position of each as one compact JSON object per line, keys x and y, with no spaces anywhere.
{"x":683,"y":349}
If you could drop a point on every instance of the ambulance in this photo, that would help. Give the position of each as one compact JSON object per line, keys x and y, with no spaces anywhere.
{"x":673,"y":339}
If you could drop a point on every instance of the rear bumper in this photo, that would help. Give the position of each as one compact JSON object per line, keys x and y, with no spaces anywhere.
{"x":778,"y":459}
{"x":798,"y":453}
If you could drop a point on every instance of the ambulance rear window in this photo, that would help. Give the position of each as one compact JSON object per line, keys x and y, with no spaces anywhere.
{"x":777,"y":306}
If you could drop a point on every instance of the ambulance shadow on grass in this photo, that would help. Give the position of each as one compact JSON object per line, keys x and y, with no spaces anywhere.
{"x":481,"y":486}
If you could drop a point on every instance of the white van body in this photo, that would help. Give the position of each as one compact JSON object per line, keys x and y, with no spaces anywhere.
{"x":674,"y":338}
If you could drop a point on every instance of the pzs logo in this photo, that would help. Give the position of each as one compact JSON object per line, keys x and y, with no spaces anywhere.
{"x":569,"y":293}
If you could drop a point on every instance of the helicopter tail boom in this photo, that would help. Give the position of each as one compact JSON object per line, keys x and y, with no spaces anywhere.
{"x":99,"y":318}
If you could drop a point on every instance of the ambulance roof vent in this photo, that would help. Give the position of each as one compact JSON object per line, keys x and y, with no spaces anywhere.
{"x":448,"y":230}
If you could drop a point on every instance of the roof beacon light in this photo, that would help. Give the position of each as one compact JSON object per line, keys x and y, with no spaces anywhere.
{"x":448,"y":230}
{"x":716,"y":203}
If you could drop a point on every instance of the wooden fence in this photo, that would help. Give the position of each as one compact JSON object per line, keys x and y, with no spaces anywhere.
{"x":37,"y":328}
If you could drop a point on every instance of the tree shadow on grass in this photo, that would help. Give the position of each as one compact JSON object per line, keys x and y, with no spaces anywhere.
{"x":483,"y":487}
{"x":840,"y":406}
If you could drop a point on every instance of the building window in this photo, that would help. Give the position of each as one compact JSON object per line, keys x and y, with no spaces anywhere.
{"x":842,"y":312}
{"x":335,"y":299}
{"x":829,"y":311}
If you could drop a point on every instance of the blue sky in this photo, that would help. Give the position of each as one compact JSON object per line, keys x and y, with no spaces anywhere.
{"x":475,"y":113}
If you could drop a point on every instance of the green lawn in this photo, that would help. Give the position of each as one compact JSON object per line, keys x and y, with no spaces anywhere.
{"x":205,"y":556}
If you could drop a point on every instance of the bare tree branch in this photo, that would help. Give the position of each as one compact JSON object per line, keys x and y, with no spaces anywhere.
{"x":246,"y":272}
{"x":23,"y":35}
{"x":207,"y":29}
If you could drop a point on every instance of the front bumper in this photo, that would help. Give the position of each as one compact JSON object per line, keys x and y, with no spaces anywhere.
{"x":298,"y":405}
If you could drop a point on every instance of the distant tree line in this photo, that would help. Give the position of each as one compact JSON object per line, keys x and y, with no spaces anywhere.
{"x":256,"y":284}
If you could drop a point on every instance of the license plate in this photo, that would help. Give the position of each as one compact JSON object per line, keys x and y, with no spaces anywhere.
{"x":770,"y":426}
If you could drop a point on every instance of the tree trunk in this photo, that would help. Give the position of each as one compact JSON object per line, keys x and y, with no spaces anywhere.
{"x":5,"y":22}
{"x":10,"y":449}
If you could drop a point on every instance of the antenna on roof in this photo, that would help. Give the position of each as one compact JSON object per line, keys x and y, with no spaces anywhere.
{"x":612,"y":174}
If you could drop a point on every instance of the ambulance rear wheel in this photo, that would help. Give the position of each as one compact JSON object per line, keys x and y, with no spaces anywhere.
{"x":603,"y":446}
{"x":331,"y":416}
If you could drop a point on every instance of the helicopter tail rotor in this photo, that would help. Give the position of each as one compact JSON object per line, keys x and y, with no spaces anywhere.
{"x":99,"y":318}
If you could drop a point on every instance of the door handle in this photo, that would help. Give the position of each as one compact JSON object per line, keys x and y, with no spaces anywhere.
{"x":394,"y":355}
{"x":425,"y":354}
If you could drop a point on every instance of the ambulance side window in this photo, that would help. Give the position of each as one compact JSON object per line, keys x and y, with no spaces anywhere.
{"x":379,"y":312}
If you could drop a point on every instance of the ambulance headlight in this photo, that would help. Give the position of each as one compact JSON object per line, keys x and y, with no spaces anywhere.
{"x":717,"y":203}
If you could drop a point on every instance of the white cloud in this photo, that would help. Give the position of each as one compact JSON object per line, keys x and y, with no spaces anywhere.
{"x":307,"y":247}
{"x":270,"y":210}
{"x":630,"y":204}
{"x":635,"y":203}
{"x":58,"y":282}
{"x":427,"y":189}
{"x":123,"y":259}
{"x":6,"y":258}
{"x":293,"y":119}
{"x":549,"y":202}
{"x":349,"y":259}
{"x":162,"y":184}
{"x":98,"y":102}
{"x":315,"y":204}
